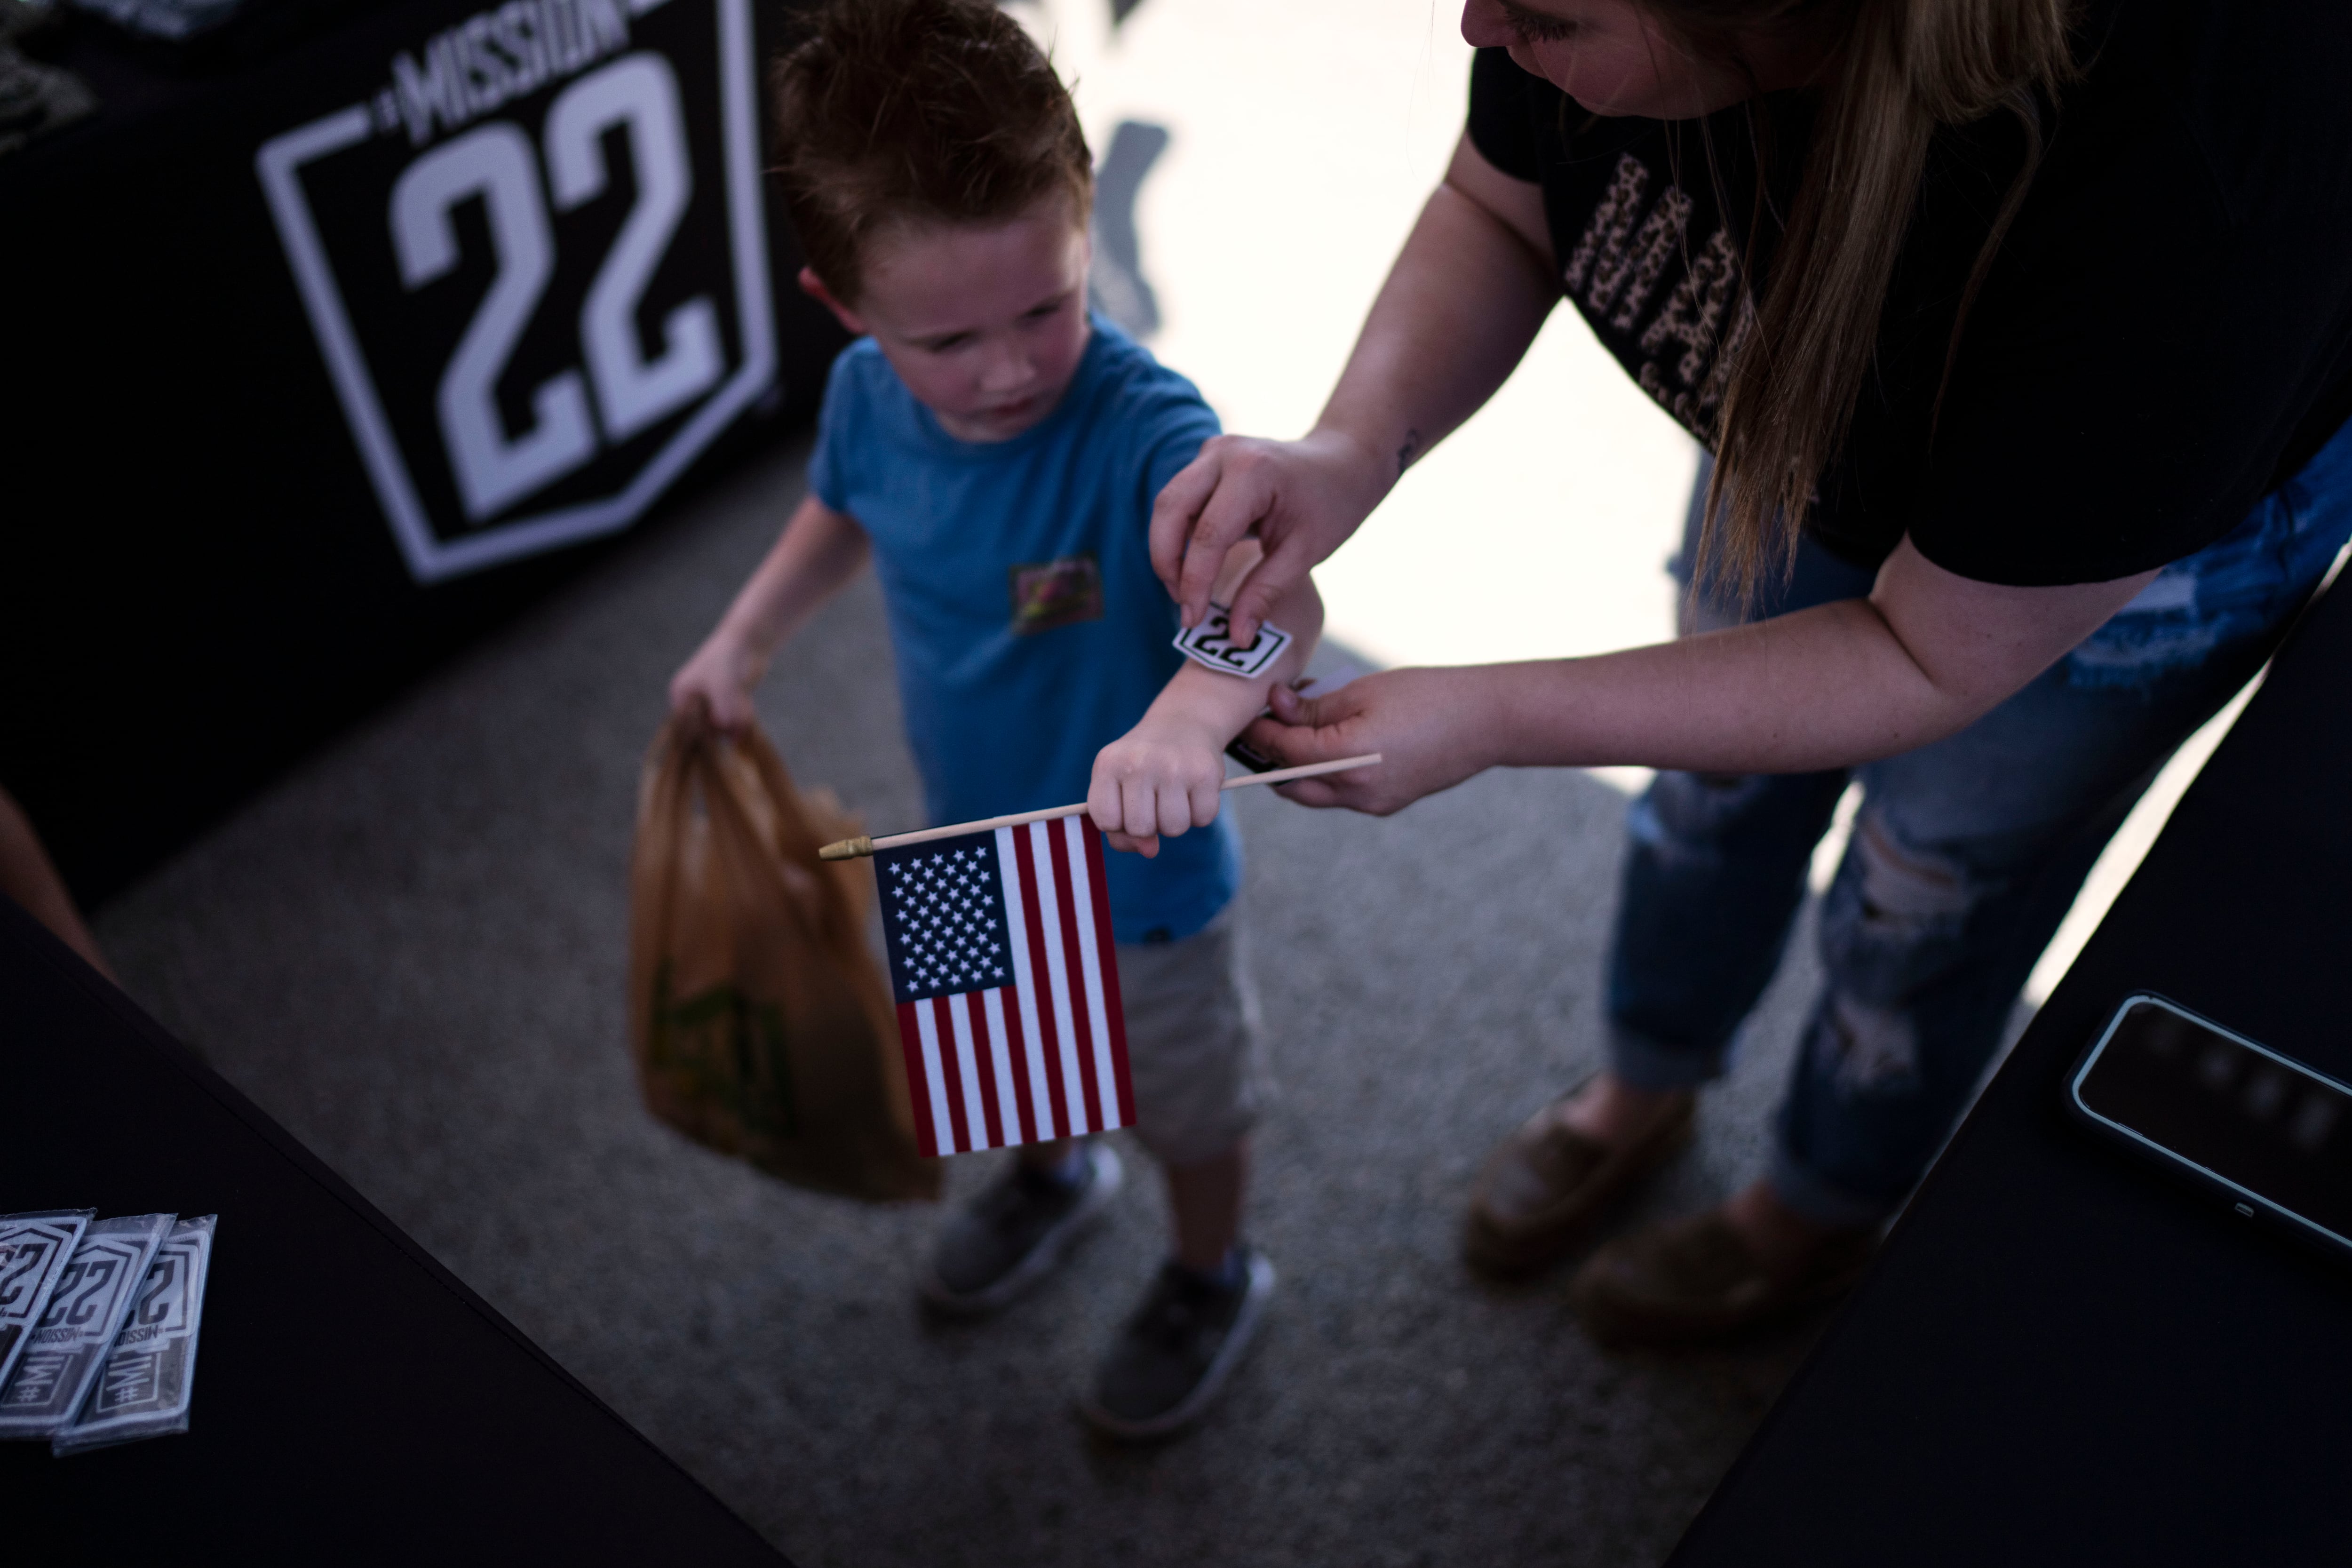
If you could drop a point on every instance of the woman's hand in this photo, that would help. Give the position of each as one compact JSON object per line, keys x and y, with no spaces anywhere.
{"x":719,"y":679}
{"x":1300,"y":500}
{"x":1432,"y":727}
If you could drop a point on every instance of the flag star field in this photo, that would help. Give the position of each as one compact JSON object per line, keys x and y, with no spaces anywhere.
{"x":948,"y":914}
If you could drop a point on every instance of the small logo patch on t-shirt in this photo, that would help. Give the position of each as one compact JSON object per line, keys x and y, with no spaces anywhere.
{"x":1049,"y":593}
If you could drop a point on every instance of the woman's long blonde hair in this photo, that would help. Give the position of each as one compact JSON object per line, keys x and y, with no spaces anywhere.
{"x":1899,"y":70}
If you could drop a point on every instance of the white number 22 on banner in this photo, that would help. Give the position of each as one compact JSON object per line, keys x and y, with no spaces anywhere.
{"x":534,"y":256}
{"x":494,"y":466}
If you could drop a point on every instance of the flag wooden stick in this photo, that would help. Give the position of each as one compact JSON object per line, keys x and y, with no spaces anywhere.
{"x":855,"y":848}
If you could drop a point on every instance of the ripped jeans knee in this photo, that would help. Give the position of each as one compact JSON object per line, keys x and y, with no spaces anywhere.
{"x":1896,"y":915}
{"x":1895,"y":918}
{"x":1917,"y":985}
{"x":1717,"y":873}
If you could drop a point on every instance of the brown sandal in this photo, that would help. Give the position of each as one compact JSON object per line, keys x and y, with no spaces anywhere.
{"x":1545,"y":1184}
{"x":1694,"y":1280}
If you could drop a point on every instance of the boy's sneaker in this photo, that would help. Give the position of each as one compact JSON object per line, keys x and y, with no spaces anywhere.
{"x":1174,"y":1354}
{"x":1012,"y":1235}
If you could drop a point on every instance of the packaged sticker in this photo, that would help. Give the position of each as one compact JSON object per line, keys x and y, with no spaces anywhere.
{"x":143,"y":1389}
{"x":34,"y":1249}
{"x":62,"y":1354}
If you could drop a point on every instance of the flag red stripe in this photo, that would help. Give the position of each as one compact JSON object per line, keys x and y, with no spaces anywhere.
{"x":952,"y":1076}
{"x":1050,"y":1047}
{"x":1099,"y":883}
{"x":1025,"y":1110}
{"x":983,"y":1054}
{"x":1081,"y":1018}
{"x":919,"y":1094}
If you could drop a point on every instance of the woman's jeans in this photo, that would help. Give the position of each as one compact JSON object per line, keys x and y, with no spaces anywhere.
{"x":1964,"y":858}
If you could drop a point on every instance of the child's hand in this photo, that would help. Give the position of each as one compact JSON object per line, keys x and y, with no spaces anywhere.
{"x":719,"y":679}
{"x":1162,"y":776}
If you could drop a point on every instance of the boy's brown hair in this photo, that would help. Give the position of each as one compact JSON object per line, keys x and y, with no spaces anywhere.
{"x":923,"y":110}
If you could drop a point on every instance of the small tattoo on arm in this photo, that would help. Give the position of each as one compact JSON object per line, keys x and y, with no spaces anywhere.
{"x":1409,"y":451}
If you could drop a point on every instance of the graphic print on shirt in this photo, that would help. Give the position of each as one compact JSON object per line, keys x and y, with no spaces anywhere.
{"x":1615,"y":270}
{"x":1058,"y":592}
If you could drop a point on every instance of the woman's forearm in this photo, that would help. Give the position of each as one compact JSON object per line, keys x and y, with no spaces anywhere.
{"x":1467,"y":296}
{"x":1829,"y":687}
{"x":1926,"y":655}
{"x":1824,"y":688}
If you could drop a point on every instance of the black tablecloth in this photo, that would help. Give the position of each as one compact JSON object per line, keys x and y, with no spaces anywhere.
{"x":2064,"y":1355}
{"x":355,"y":1402}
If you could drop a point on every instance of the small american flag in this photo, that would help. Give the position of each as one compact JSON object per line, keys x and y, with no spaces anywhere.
{"x":1008,"y":993}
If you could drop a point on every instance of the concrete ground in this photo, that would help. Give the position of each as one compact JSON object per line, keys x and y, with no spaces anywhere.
{"x":412,"y":952}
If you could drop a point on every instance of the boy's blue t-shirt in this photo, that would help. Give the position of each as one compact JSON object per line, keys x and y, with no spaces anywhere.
{"x":1030,"y":629}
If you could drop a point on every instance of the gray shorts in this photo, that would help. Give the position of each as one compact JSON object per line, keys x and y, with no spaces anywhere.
{"x":1194,"y":1041}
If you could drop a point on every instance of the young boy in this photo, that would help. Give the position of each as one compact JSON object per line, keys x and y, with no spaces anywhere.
{"x":997,"y":451}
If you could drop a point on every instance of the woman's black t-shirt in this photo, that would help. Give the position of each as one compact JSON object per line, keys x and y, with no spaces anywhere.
{"x":2165,"y":336}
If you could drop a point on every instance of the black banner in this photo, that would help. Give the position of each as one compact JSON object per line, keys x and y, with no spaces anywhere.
{"x":328,"y":362}
{"x":536,"y":265}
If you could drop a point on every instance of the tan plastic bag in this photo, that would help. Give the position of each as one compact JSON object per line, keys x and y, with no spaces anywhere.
{"x":760,"y":1022}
